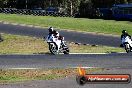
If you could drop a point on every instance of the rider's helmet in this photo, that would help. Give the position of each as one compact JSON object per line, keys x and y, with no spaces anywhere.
{"x":50,"y":29}
{"x":124,"y":32}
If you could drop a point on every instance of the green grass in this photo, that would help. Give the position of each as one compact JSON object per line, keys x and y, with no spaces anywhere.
{"x":15,"y":44}
{"x":9,"y":76}
{"x":94,"y":49}
{"x":20,"y":75}
{"x":77,"y":24}
{"x":8,"y":79}
{"x":15,"y":75}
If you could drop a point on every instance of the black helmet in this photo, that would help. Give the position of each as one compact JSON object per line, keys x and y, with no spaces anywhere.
{"x":50,"y":29}
{"x":124,"y":31}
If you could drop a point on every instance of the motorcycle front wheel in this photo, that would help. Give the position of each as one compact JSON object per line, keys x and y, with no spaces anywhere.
{"x":53,"y":48}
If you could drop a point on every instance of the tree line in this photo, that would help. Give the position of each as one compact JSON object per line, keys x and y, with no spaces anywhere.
{"x":71,"y":6}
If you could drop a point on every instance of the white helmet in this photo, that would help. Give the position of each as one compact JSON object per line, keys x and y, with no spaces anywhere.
{"x":57,"y":34}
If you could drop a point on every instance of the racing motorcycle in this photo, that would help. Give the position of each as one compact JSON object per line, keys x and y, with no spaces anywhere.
{"x":127,"y":44}
{"x":53,"y":48}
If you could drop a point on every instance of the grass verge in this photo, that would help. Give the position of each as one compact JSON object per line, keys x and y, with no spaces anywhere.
{"x":11,"y":75}
{"x":15,"y":44}
{"x":77,"y":24}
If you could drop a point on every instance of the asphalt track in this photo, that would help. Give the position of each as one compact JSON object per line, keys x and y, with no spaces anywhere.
{"x":47,"y":61}
{"x":113,"y":61}
{"x":84,"y":38}
{"x":66,"y":61}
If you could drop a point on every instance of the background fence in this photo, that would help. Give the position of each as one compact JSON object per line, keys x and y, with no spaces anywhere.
{"x":33,"y":12}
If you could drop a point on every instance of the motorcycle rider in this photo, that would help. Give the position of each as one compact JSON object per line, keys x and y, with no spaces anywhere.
{"x":50,"y":35}
{"x":124,"y":34}
{"x":55,"y":37}
{"x":59,"y":37}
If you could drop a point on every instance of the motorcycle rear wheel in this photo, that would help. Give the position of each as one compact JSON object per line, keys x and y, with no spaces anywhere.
{"x":127,"y":48}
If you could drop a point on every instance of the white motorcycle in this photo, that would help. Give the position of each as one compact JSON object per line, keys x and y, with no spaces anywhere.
{"x":127,"y":43}
{"x":54,"y":44}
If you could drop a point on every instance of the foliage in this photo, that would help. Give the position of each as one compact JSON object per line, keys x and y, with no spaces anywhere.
{"x":85,"y":7}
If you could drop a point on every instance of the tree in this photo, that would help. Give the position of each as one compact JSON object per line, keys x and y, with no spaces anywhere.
{"x":1,"y":4}
{"x":103,"y":3}
{"x":86,"y":8}
{"x":129,"y":1}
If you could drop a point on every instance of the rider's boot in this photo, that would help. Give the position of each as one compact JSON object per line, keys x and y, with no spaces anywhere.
{"x":63,"y":44}
{"x":131,"y":49}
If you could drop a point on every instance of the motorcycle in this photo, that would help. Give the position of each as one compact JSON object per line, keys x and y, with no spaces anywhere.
{"x":127,"y":44}
{"x":53,"y":47}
